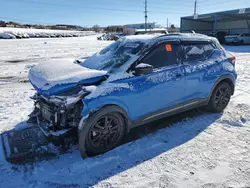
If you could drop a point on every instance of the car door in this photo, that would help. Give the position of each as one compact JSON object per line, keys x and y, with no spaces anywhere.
{"x":161,"y":89}
{"x":196,"y":66}
{"x":248,"y":38}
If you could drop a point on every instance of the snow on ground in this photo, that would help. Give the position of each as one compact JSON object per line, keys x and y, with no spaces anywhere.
{"x":17,"y":56}
{"x":9,"y":33}
{"x":207,"y":150}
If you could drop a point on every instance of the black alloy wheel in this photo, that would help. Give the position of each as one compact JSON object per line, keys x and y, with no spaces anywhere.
{"x":220,"y":97}
{"x":105,"y":133}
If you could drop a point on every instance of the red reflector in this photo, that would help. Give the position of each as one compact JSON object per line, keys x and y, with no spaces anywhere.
{"x":232,"y":59}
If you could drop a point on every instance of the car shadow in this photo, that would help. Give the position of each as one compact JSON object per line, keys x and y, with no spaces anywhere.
{"x":149,"y":141}
{"x":164,"y":123}
{"x":238,"y":48}
{"x":141,"y":144}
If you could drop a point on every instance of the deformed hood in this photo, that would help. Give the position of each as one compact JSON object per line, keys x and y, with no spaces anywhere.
{"x":55,"y":76}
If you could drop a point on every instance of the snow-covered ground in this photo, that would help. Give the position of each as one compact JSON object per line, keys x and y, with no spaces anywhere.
{"x":9,"y":33}
{"x":207,"y":150}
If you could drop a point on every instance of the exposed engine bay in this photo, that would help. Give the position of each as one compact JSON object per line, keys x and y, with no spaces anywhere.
{"x":59,"y":112}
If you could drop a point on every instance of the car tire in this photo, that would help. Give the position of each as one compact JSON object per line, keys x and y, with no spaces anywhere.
{"x":220,"y":97}
{"x":103,"y":131}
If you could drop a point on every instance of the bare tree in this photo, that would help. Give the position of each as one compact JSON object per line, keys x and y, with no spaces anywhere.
{"x":96,"y":28}
{"x":2,"y":24}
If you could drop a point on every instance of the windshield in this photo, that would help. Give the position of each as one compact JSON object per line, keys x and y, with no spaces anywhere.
{"x":114,"y":56}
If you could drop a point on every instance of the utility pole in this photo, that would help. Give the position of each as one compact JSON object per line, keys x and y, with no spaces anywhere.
{"x":195,"y":7}
{"x":146,"y":14}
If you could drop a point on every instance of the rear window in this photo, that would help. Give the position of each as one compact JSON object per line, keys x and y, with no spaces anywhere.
{"x":199,"y":51}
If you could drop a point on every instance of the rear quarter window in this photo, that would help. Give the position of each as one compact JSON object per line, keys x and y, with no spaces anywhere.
{"x":199,"y":51}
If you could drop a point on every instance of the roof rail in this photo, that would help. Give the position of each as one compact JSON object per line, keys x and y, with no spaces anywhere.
{"x":168,"y":34}
{"x":180,"y":35}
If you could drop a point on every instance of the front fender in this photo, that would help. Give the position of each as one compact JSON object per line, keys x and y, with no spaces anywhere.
{"x":93,"y":105}
{"x":97,"y":103}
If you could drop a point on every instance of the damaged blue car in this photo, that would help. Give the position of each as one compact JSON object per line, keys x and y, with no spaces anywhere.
{"x":133,"y":81}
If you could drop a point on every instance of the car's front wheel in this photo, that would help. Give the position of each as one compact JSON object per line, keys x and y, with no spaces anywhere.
{"x":220,"y":97}
{"x":102,"y":132}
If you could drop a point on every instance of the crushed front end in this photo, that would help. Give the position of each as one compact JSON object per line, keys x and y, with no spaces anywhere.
{"x":58,"y":114}
{"x":61,"y":85}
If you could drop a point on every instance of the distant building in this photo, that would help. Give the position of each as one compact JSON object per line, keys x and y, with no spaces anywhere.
{"x":140,"y":26}
{"x":10,"y":25}
{"x":230,"y":21}
{"x":131,"y":28}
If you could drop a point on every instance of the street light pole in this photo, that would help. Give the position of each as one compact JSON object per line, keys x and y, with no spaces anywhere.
{"x":146,"y":14}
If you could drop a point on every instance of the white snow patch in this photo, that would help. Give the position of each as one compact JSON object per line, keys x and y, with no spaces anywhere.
{"x":89,"y":88}
{"x":143,"y":38}
{"x":107,"y":88}
{"x":143,"y":65}
{"x":7,"y":36}
{"x":9,"y":33}
{"x":56,"y":72}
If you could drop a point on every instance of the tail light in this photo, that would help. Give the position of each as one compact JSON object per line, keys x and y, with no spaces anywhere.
{"x":232,"y":59}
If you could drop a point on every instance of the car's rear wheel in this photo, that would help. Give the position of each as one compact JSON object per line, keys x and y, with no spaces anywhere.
{"x":103,"y":132}
{"x":220,"y":97}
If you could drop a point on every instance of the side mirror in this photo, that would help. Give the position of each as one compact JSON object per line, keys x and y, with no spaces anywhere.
{"x":142,"y":69}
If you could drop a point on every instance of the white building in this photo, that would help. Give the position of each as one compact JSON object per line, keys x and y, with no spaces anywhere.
{"x":130,"y":29}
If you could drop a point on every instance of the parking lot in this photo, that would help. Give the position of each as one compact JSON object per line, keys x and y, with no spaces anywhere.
{"x":194,"y":149}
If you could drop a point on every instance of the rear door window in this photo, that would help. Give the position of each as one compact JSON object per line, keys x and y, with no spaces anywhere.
{"x":197,"y":51}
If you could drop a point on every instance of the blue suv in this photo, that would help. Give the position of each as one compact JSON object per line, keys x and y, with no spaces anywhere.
{"x":133,"y":81}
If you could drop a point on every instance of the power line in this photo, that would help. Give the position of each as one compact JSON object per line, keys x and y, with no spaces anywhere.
{"x":174,"y":2}
{"x":206,"y":2}
{"x":77,"y":7}
{"x":95,"y":8}
{"x":150,"y":8}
